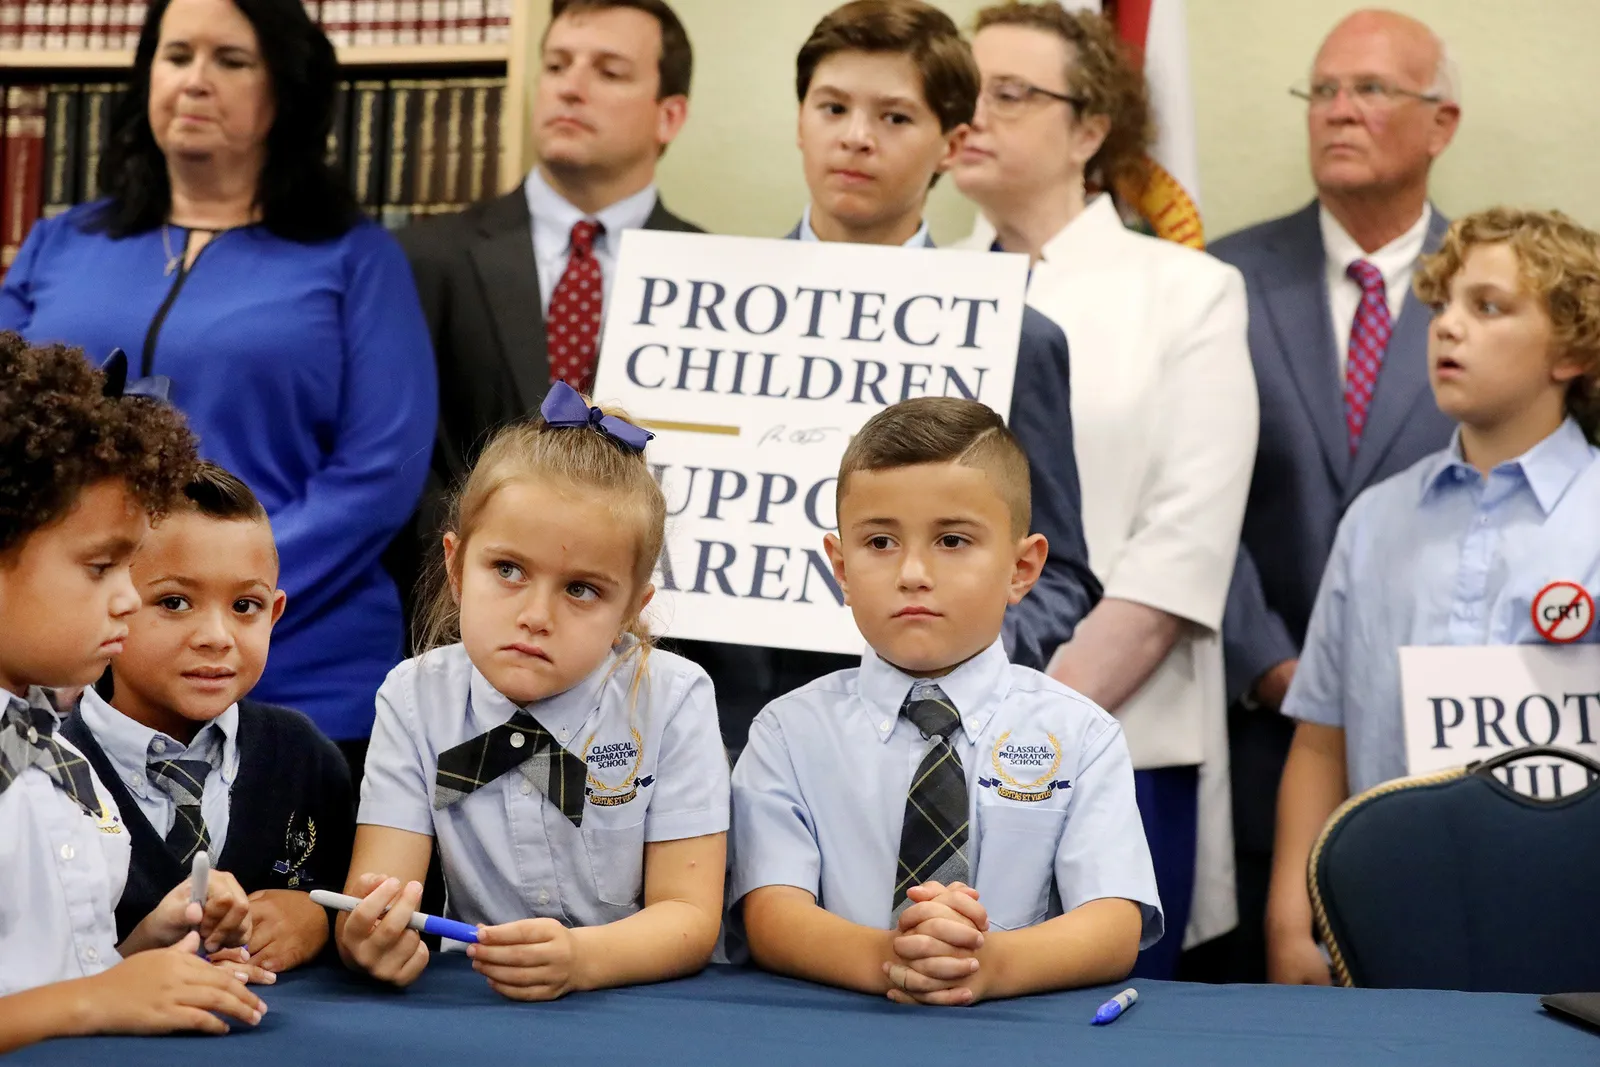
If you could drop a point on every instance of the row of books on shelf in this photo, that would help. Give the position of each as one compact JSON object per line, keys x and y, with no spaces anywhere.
{"x":99,"y":25}
{"x":410,"y":148}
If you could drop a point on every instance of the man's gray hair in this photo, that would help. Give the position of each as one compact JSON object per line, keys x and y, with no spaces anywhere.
{"x":1446,"y":76}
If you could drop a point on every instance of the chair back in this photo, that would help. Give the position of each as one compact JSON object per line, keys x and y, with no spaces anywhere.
{"x":1455,"y":881}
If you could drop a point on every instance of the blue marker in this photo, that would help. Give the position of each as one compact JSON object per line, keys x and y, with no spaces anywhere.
{"x":1112,"y":1009}
{"x":426,"y":924}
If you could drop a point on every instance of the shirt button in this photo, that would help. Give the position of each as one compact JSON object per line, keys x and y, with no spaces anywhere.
{"x":527,"y":787}
{"x":33,"y":736}
{"x":91,"y":954}
{"x":518,"y":740}
{"x":67,"y":852}
{"x":544,"y":896}
{"x":158,"y":744}
{"x":884,"y":726}
{"x":563,"y":734}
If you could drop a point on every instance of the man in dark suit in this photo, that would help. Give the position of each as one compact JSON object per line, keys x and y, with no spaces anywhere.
{"x":1330,"y":296}
{"x":886,"y":91}
{"x":613,"y":93}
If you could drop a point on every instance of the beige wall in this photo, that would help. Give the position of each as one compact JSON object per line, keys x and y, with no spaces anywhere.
{"x":1530,"y":132}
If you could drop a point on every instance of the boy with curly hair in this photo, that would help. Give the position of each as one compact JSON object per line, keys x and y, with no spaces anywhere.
{"x":81,"y":473}
{"x":1453,"y":550}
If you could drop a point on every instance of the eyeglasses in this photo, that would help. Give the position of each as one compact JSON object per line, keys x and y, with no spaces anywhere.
{"x":1006,"y":97}
{"x":1368,"y":94}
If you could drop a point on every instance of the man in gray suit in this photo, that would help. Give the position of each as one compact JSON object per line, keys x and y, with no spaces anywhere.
{"x":1330,"y":297}
{"x":613,"y":93}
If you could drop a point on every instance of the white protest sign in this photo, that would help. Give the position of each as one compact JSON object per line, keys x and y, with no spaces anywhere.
{"x":1467,"y":704}
{"x":754,"y":361}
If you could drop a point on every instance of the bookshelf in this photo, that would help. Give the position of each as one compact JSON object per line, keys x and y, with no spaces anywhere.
{"x":508,"y":58}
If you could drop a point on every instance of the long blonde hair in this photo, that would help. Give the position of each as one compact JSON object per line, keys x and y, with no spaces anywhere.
{"x":584,"y":459}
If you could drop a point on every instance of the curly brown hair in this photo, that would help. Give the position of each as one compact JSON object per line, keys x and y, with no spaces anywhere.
{"x":1559,"y":262}
{"x":1104,"y":73}
{"x":59,"y":435}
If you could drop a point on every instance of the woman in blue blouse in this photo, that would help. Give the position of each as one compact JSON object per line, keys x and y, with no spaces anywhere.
{"x":230,"y":259}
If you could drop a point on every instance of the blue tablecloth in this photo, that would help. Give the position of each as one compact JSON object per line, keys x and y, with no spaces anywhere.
{"x":732,"y":1016}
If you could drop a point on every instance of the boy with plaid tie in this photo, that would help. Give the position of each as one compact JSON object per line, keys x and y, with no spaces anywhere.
{"x":82,"y":469}
{"x":939,"y":824}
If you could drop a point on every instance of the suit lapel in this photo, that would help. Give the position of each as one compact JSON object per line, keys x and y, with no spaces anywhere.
{"x":1296,"y":296}
{"x":502,"y":257}
{"x":1402,"y":379}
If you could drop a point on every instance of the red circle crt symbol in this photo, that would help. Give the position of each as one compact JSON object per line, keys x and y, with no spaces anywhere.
{"x":1563,"y":612}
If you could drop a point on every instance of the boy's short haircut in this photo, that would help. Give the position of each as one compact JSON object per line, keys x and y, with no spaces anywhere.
{"x":59,"y":435}
{"x":218,"y":494}
{"x":919,"y":31}
{"x":676,"y":67}
{"x":1559,"y":262}
{"x":937,"y":429}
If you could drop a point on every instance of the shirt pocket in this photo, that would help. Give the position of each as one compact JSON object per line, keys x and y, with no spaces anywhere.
{"x":616,"y":861}
{"x":1016,"y":864}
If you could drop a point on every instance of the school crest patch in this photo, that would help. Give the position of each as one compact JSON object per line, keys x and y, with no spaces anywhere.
{"x":1025,"y":769}
{"x":299,"y":840}
{"x":613,"y":770}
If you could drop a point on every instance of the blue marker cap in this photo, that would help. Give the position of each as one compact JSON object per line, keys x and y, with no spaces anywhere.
{"x":1112,"y":1009}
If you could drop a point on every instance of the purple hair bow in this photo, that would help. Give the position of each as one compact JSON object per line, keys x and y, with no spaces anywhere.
{"x":115,"y":368}
{"x":564,"y":406}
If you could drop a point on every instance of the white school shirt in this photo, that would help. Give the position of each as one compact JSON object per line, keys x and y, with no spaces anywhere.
{"x":819,"y":795}
{"x":920,"y":239}
{"x":130,"y":746}
{"x":1165,"y":419}
{"x":62,"y":872}
{"x":1396,"y":261}
{"x":507,"y":852}
{"x":553,"y":218}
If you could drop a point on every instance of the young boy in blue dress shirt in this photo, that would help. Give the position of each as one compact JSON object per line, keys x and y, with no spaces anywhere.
{"x":1453,"y":550}
{"x":868,"y":802}
{"x":192,"y":764}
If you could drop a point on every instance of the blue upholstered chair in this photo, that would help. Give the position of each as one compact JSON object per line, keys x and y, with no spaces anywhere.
{"x":1455,"y":881}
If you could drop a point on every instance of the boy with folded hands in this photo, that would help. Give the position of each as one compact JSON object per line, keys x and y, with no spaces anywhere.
{"x":939,"y":824}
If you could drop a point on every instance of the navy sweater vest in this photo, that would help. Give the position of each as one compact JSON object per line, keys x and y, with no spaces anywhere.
{"x":291,"y":815}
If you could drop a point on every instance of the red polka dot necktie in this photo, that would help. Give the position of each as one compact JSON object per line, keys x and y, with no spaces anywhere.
{"x":572,"y":325}
{"x":1369,"y":339}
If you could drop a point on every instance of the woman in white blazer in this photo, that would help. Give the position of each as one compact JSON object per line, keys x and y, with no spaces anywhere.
{"x":1165,"y":417}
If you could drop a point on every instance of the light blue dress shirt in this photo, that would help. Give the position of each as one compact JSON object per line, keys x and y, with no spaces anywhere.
{"x":553,"y":219}
{"x":507,"y":852}
{"x":1440,"y":555}
{"x":61,"y":874}
{"x":819,"y":795}
{"x":921,"y":239}
{"x":130,"y":746}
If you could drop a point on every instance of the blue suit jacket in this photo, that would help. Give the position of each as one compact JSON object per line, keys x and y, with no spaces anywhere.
{"x":1305,"y":476}
{"x":748,"y":677}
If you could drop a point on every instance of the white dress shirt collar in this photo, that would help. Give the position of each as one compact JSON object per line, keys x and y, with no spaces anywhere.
{"x":553,"y":218}
{"x":1395,"y":261}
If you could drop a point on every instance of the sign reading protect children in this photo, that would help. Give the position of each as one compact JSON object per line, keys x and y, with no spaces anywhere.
{"x":1468,"y":704}
{"x":754,"y":362}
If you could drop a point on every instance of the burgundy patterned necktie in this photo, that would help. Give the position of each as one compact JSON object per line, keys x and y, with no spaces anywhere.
{"x":1369,"y":339}
{"x":572,"y":325}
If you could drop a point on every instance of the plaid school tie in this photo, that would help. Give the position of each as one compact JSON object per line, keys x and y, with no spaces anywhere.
{"x":184,"y":780}
{"x":1369,"y":340}
{"x":933,"y":839}
{"x":27,"y":739}
{"x":554,"y":771}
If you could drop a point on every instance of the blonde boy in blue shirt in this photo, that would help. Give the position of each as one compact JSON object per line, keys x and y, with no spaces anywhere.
{"x":867,"y":801}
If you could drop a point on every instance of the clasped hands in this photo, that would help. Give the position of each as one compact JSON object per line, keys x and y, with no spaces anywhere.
{"x":937,"y":957}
